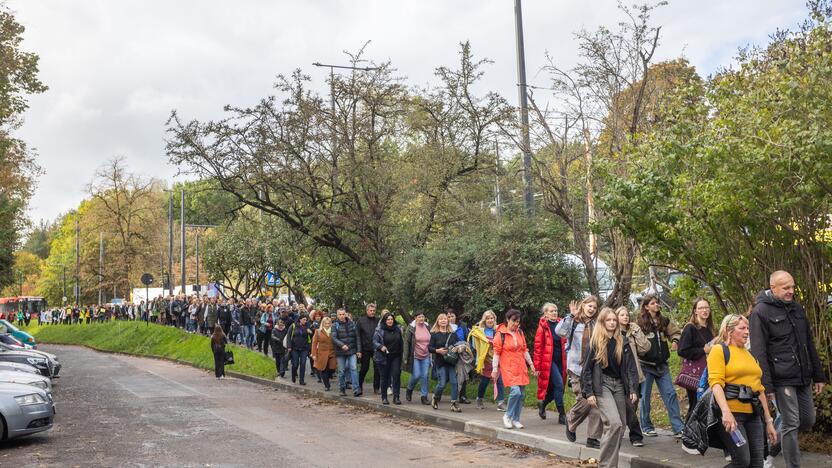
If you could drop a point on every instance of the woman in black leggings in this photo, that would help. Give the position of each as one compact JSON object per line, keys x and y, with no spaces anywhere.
{"x":218,"y":342}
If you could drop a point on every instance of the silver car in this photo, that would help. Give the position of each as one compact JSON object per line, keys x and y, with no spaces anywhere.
{"x":25,"y":410}
{"x":37,"y":380}
{"x":18,"y":367}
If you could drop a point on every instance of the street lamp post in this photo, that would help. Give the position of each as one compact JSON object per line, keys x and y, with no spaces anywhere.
{"x":528,"y":193}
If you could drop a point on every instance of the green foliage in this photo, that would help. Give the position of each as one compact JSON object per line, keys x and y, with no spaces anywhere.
{"x":514,"y":265}
{"x":39,"y":239}
{"x":205,"y":202}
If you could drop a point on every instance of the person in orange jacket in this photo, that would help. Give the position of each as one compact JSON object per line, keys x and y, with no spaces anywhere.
{"x":511,"y":357}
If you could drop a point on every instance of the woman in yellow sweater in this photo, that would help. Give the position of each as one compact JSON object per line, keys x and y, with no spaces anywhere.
{"x":738,"y":390}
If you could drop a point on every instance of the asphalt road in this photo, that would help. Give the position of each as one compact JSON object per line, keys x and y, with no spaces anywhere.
{"x":125,"y":411}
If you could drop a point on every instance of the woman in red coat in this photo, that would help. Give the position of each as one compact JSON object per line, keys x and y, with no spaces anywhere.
{"x":550,"y":360}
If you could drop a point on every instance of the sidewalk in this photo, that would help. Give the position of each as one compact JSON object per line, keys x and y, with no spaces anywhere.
{"x":661,"y":451}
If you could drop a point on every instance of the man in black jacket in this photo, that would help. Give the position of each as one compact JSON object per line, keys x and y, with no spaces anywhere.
{"x":782,"y":343}
{"x":347,"y":348}
{"x":366,"y":328}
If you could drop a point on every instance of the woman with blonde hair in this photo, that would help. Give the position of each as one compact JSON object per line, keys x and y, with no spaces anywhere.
{"x":442,"y":339}
{"x":323,"y":351}
{"x":736,"y":384}
{"x":481,"y":340}
{"x":609,"y":377}
{"x":550,"y":360}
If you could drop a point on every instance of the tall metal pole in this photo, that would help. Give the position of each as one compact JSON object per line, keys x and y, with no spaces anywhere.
{"x":100,"y":265}
{"x":63,"y":280}
{"x":528,"y":192}
{"x":197,"y":258}
{"x":77,"y":262}
{"x":498,"y":202}
{"x":170,"y":245}
{"x":182,"y":222}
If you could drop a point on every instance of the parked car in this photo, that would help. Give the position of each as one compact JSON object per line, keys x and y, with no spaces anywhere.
{"x":37,"y":380}
{"x":25,"y":410}
{"x":54,"y":364}
{"x":41,"y":363}
{"x":21,"y":335}
{"x":18,"y":367}
{"x":8,"y":339}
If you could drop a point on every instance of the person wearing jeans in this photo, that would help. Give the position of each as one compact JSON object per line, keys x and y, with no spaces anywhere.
{"x":658,"y":329}
{"x":785,"y":348}
{"x":512,"y":363}
{"x":550,"y":358}
{"x":416,"y":356}
{"x":347,"y":351}
{"x":442,"y":339}
{"x":481,"y":340}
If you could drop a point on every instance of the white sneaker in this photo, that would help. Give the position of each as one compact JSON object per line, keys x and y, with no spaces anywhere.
{"x":507,"y":422}
{"x":768,"y":462}
{"x":517,"y":425}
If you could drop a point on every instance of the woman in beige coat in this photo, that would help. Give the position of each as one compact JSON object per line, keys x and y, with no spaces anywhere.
{"x":640,"y":345}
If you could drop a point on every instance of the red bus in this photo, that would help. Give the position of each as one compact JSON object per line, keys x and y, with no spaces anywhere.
{"x":10,"y":306}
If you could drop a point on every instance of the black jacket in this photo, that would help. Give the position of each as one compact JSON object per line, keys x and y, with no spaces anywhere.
{"x":224,"y":314}
{"x":782,"y":343}
{"x":703,"y":427}
{"x":277,"y":340}
{"x":440,"y":340}
{"x":693,"y":340}
{"x":366,"y":329}
{"x":346,"y":333}
{"x":591,"y":374}
{"x":247,"y":315}
{"x":300,"y":339}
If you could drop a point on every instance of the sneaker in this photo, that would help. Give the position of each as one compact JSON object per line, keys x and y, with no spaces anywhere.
{"x":357,"y":394}
{"x":465,"y":401}
{"x":434,"y":402}
{"x":424,"y":400}
{"x":689,"y":450}
{"x":677,"y":435}
{"x":479,"y":404}
{"x":507,"y":422}
{"x":385,"y":401}
{"x":638,"y":443}
{"x":517,"y":425}
{"x":593,"y":443}
{"x":455,"y":408}
{"x":501,"y":406}
{"x":343,"y":392}
{"x":651,"y":433}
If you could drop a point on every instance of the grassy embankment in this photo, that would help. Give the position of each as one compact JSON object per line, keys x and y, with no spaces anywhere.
{"x":152,"y":340}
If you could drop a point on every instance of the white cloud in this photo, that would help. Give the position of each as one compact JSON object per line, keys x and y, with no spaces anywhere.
{"x":116,"y":69}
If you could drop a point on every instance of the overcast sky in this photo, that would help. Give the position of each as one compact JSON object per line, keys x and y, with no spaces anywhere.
{"x":116,"y":69}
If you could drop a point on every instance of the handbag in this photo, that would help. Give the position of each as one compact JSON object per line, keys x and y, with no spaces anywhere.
{"x":690,"y":373}
{"x":451,"y":357}
{"x":229,"y":357}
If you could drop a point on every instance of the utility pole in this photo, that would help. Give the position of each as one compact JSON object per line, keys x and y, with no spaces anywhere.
{"x":197,"y":259}
{"x":498,"y":202}
{"x":63,"y":280}
{"x":182,"y":223}
{"x":170,"y":246}
{"x":528,"y":191}
{"x":100,"y":265}
{"x":77,"y":261}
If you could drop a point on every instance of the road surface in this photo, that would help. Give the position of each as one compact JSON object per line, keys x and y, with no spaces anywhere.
{"x":125,"y":411}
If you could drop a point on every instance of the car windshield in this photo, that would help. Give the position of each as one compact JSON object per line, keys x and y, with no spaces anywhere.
{"x":8,"y":325}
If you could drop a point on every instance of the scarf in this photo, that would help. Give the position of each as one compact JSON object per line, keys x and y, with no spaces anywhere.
{"x":326,"y":330}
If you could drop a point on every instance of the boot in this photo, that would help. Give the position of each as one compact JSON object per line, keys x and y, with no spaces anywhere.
{"x":384,"y":401}
{"x":435,"y":402}
{"x":479,"y":404}
{"x":408,"y":395}
{"x":561,"y":415}
{"x":425,"y":400}
{"x":396,"y":400}
{"x":464,"y":400}
{"x":455,"y":408}
{"x":541,"y":409}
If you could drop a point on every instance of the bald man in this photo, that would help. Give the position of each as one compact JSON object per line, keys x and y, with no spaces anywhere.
{"x":783,"y":344}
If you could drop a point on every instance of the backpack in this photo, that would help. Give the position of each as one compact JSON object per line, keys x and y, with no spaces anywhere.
{"x":703,"y":381}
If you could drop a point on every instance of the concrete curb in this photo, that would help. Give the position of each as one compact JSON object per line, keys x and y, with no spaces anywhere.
{"x":554,"y":446}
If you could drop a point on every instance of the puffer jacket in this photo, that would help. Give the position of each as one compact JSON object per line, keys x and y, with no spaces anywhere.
{"x":703,"y":429}
{"x":345,"y":333}
{"x":782,"y":343}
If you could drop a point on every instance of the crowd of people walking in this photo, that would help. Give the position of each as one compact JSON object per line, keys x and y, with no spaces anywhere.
{"x":736,"y":378}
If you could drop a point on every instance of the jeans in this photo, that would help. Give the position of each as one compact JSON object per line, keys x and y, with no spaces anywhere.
{"x":391,"y":374}
{"x":750,"y":454}
{"x":665,"y":384}
{"x":347,"y":364}
{"x":248,"y":335}
{"x":515,"y":402}
{"x":191,"y":325}
{"x":484,"y":381}
{"x":613,"y":409}
{"x":299,"y":357}
{"x":554,"y":392}
{"x":446,"y":374}
{"x":421,"y":368}
{"x":797,"y":412}
{"x":366,"y":359}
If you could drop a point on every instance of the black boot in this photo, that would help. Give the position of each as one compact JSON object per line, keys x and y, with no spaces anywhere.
{"x":541,"y":409}
{"x":396,"y":400}
{"x":384,"y":401}
{"x":561,"y":415}
{"x":408,"y":395}
{"x":435,"y":402}
{"x":425,"y":400}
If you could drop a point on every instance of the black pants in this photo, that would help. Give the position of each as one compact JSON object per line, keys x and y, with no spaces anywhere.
{"x":691,"y":402}
{"x":632,"y":420}
{"x":219,"y":363}
{"x":750,"y":454}
{"x":266,"y":341}
{"x":260,"y":340}
{"x":366,"y":359}
{"x":279,"y":361}
{"x":391,"y":374}
{"x":325,"y":376}
{"x":299,"y":364}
